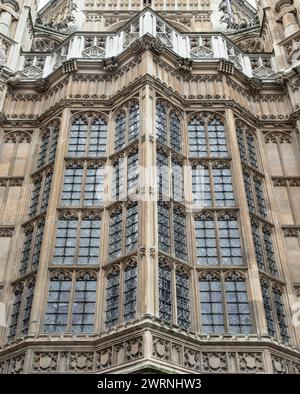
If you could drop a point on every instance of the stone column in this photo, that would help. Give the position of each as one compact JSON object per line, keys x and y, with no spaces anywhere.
{"x":8,"y":8}
{"x":286,"y":14}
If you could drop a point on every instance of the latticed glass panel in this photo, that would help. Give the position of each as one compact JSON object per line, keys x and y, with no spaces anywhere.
{"x":251,"y":150}
{"x":183,"y":300}
{"x":249,"y":193}
{"x":260,"y":197}
{"x":230,"y":244}
{"x":206,"y":242}
{"x":56,"y":318}
{"x":162,"y":173}
{"x":270,"y":255}
{"x":66,"y":235}
{"x":94,"y":186}
{"x":83,"y":313}
{"x":131,"y":238}
{"x":73,"y":180}
{"x":120,"y":130}
{"x":217,"y":139}
{"x":38,"y":244}
{"x":258,"y":247}
{"x":53,"y":145}
{"x":112,"y":299}
{"x":161,"y":123}
{"x":118,"y":179}
{"x":165,"y":293}
{"x":46,"y":191}
{"x":132,"y":172}
{"x":177,"y":180}
{"x":175,"y":132}
{"x":133,"y":122}
{"x":268,"y":309}
{"x":197,"y":138}
{"x":115,"y":235}
{"x":212,"y":311}
{"x":180,"y":246}
{"x":129,"y":296}
{"x":223,"y":189}
{"x":164,"y":241}
{"x":98,"y":138}
{"x":201,"y":186}
{"x":35,"y":196}
{"x":78,"y":137}
{"x":27,"y":309}
{"x":239,"y":318}
{"x":14,"y":318}
{"x":26,"y":251}
{"x":89,"y":239}
{"x":43,"y":149}
{"x":241,"y":144}
{"x":281,"y":316}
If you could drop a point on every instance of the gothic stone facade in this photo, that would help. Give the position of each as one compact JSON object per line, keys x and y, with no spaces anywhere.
{"x":104,"y":268}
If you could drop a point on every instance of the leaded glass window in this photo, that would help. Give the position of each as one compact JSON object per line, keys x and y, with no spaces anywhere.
{"x":212,"y":309}
{"x":120,"y":130}
{"x":268,"y":308}
{"x":224,"y":304}
{"x":202,"y":196}
{"x":177,"y":180}
{"x":77,"y":239}
{"x":112,"y":299}
{"x":239,"y":318}
{"x":84,"y":304}
{"x":14,"y":319}
{"x":247,"y":144}
{"x":127,"y":125}
{"x":32,"y":245}
{"x":131,"y":237}
{"x":56,"y":318}
{"x":118,"y":179}
{"x":165,"y":292}
{"x":46,"y":191}
{"x":217,"y":240}
{"x":83,"y":184}
{"x":27,"y":307}
{"x":115,"y":235}
{"x":254,"y":193}
{"x":207,"y":137}
{"x":270,"y":255}
{"x":168,"y":126}
{"x":275,"y":310}
{"x":258,"y":246}
{"x":164,"y":237}
{"x":162,"y":172}
{"x":88,"y":137}
{"x":41,"y":192}
{"x":130,"y":296}
{"x":132,"y":172}
{"x":183,"y":299}
{"x":48,"y":144}
{"x":180,"y":246}
{"x":280,"y":313}
{"x":36,"y":192}
{"x":212,"y":184}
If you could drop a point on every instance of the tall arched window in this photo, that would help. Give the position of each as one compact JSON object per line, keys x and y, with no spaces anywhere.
{"x":48,"y":144}
{"x":88,"y":136}
{"x":127,"y":125}
{"x":247,"y":144}
{"x":224,"y":303}
{"x":207,"y":136}
{"x":168,"y":126}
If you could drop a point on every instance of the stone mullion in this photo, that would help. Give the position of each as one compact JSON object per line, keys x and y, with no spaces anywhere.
{"x":40,"y":294}
{"x":148,"y":261}
{"x":279,"y":246}
{"x":245,"y":228}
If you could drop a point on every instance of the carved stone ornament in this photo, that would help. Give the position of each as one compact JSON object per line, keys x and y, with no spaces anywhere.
{"x":255,"y":85}
{"x":191,"y":359}
{"x":41,"y":85}
{"x":279,"y":366}
{"x":251,"y":362}
{"x":161,"y":348}
{"x":110,"y":65}
{"x":45,"y":361}
{"x":16,"y":365}
{"x":81,"y":361}
{"x":6,"y":232}
{"x":214,"y":362}
{"x":104,"y":359}
{"x":147,"y":43}
{"x":134,"y":348}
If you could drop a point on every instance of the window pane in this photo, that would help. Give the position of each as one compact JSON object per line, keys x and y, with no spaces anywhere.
{"x":112,"y":299}
{"x":179,"y":234}
{"x":133,"y":121}
{"x":129,"y":300}
{"x":197,"y":140}
{"x":206,"y":244}
{"x":217,"y":140}
{"x":165,"y":296}
{"x":98,"y":138}
{"x":175,"y":131}
{"x":183,"y":300}
{"x":115,"y":235}
{"x":131,"y":227}
{"x":78,"y":137}
{"x":65,"y":245}
{"x":89,"y":240}
{"x":73,"y":180}
{"x":212,"y":314}
{"x":120,"y":125}
{"x":164,"y":242}
{"x":84,"y":305}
